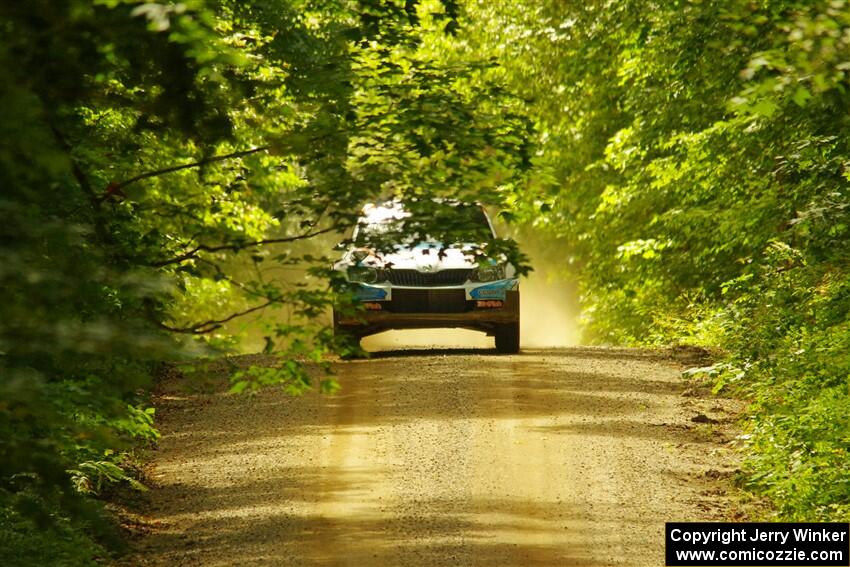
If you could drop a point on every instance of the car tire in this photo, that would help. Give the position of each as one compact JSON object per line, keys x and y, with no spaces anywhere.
{"x":507,"y":338}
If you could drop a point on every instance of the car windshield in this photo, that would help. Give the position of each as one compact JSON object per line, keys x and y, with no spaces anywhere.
{"x":449,"y":222}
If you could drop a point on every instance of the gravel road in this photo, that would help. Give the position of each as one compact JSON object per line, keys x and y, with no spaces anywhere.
{"x":442,"y":458}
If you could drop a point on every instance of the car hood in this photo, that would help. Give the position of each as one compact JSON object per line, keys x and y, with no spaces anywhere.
{"x":428,"y":257}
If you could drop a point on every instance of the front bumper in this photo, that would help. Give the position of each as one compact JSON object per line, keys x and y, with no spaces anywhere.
{"x":423,"y":308}
{"x":471,"y":290}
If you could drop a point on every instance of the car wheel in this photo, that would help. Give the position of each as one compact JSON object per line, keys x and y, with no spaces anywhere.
{"x":507,"y":338}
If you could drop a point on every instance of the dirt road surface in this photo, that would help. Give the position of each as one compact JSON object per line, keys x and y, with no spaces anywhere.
{"x":561,"y":457}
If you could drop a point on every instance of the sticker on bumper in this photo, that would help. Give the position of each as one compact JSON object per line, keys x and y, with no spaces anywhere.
{"x":366,"y":293}
{"x":494,"y":290}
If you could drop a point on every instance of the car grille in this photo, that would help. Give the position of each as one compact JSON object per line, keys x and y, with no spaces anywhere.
{"x":414,"y":278}
{"x":429,"y":301}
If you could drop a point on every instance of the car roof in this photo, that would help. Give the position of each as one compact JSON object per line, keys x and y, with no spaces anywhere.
{"x":394,"y":209}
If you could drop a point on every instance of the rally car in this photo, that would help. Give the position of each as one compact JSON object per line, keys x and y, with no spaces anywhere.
{"x":422,"y":284}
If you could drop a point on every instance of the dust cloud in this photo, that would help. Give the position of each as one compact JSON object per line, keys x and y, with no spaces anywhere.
{"x":548,"y":311}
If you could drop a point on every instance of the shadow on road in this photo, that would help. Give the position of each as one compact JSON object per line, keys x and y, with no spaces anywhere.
{"x":315,"y":480}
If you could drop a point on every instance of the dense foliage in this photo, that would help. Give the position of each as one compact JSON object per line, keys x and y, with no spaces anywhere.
{"x":161,"y":163}
{"x":165,"y":165}
{"x":696,"y":156}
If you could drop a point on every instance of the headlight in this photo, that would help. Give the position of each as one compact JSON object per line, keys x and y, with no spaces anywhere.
{"x":364,"y":274}
{"x":489,"y":273}
{"x":360,"y":254}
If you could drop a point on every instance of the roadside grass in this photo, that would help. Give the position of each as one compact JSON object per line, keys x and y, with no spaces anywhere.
{"x":59,"y":543}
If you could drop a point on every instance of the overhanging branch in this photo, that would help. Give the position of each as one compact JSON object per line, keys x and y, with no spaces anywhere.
{"x":190,"y":254}
{"x":212,"y":324}
{"x":120,"y":185}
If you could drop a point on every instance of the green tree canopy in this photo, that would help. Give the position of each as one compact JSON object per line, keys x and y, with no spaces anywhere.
{"x":694,"y":155}
{"x":158,"y":158}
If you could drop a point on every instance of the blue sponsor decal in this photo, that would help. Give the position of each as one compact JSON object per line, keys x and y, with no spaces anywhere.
{"x":495,"y":290}
{"x":368,"y":293}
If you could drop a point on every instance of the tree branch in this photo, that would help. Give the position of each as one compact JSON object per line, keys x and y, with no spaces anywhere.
{"x":81,"y":178}
{"x":220,"y":274}
{"x":213,"y":324}
{"x":83,"y":181}
{"x":172,"y":169}
{"x":190,"y":254}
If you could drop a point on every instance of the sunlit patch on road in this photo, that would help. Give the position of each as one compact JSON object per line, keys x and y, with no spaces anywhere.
{"x":560,"y":457}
